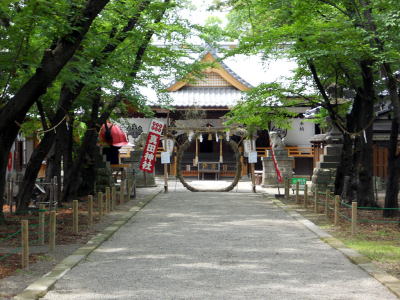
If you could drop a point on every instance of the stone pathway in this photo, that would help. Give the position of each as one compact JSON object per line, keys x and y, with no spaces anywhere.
{"x":186,"y":245}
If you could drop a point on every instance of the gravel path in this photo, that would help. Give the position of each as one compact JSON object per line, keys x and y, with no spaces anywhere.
{"x":186,"y":245}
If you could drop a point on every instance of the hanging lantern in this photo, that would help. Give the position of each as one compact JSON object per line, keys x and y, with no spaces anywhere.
{"x":209,"y":137}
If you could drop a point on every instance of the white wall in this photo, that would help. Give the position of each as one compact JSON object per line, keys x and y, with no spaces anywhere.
{"x":300,"y":133}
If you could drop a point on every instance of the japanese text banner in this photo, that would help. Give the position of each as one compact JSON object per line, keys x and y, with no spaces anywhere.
{"x":150,"y":149}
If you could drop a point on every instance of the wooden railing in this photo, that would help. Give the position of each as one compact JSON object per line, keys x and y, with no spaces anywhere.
{"x":292,"y":151}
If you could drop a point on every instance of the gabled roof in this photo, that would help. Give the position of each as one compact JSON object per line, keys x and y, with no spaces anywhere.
{"x":219,"y":68}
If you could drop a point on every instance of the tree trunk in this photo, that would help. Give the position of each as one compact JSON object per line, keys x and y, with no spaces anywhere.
{"x":32,"y":169}
{"x":364,"y":162}
{"x":345,"y":168}
{"x":392,"y":186}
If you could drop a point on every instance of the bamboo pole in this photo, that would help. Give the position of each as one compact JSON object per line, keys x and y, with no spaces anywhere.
{"x":25,"y":244}
{"x":287,"y":191}
{"x":42,"y":209}
{"x":52,"y":233}
{"x":305,"y":196}
{"x":90,"y":210}
{"x":353,"y":218}
{"x":316,"y":199}
{"x":297,"y":192}
{"x":327,"y":203}
{"x":108,"y":200}
{"x":113,"y":197}
{"x":336,"y":212}
{"x":166,"y":178}
{"x":75,"y":217}
{"x":100,"y":203}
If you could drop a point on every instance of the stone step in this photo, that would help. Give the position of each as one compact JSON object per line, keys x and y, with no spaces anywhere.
{"x":328,"y":165}
{"x":333,"y":150}
{"x":330,"y":158}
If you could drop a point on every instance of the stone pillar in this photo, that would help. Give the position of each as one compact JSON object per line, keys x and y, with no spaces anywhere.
{"x":325,"y":170}
{"x":142,"y":179}
{"x":285,"y":164}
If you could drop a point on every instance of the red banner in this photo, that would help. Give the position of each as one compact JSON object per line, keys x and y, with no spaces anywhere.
{"x":150,"y":150}
{"x":278,"y":172}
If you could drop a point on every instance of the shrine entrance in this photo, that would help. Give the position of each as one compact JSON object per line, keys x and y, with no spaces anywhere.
{"x":203,"y":141}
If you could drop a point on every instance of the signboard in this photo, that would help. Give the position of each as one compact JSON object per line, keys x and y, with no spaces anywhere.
{"x":168,"y":145}
{"x":249,"y":145}
{"x":150,"y":149}
{"x":165,"y":157}
{"x":253,"y":157}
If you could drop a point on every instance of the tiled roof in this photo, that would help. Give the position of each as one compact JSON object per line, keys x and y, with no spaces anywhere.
{"x":206,"y":97}
{"x":230,"y":71}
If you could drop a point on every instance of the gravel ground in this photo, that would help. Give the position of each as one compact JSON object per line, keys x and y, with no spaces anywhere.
{"x":12,"y":285}
{"x":186,"y":245}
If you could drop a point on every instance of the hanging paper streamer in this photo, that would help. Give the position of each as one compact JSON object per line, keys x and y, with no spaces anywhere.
{"x":228,"y":133}
{"x":201,"y":138}
{"x":190,"y":135}
{"x":196,"y":158}
{"x":216,"y":137}
{"x":221,"y":159}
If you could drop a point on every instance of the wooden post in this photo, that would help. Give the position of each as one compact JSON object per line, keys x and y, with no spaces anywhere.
{"x":287,"y":189}
{"x":327,"y":203}
{"x":52,"y":233}
{"x":305,"y":196}
{"x":113,"y":197}
{"x":316,"y":199}
{"x":336,"y":213}
{"x":100,"y":203}
{"x":75,"y":217}
{"x":353,"y":218}
{"x":123,"y":190}
{"x":25,"y":244}
{"x":108,"y":199}
{"x":90,"y":210}
{"x":55,"y":192}
{"x":42,"y":209}
{"x":51,"y":194}
{"x":253,"y":178}
{"x":297,"y":192}
{"x":120,"y":194}
{"x":165,"y":178}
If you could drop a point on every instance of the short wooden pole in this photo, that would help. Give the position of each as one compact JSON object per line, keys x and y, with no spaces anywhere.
{"x":297,"y":192}
{"x":90,"y":210}
{"x":120,"y":195}
{"x":100,"y":203}
{"x":75,"y":217}
{"x":353,"y":218}
{"x":42,"y":210}
{"x":287,"y":188}
{"x":128,"y":189}
{"x":52,"y":233}
{"x":305,"y":196}
{"x":113,"y":197}
{"x":336,"y":212}
{"x":25,"y":244}
{"x":316,"y":199}
{"x":165,"y":178}
{"x":327,"y":203}
{"x":123,"y":190}
{"x":108,"y":199}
